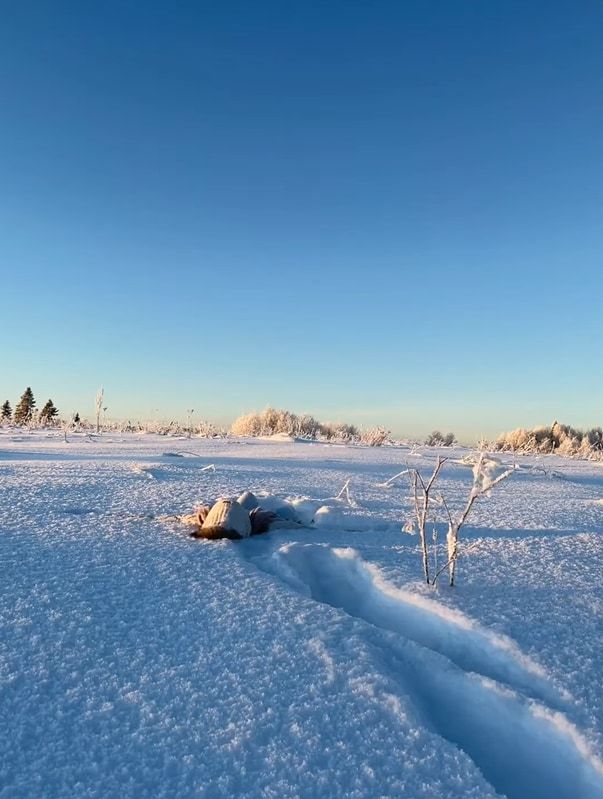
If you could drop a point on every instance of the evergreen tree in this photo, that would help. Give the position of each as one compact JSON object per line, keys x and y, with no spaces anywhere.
{"x":6,"y":412}
{"x":25,"y":408}
{"x":48,"y":412}
{"x":76,"y":418}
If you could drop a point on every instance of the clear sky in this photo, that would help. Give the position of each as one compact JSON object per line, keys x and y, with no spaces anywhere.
{"x":381,"y":212}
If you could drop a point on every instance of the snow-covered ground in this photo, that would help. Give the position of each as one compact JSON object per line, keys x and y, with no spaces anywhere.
{"x":138,"y":662}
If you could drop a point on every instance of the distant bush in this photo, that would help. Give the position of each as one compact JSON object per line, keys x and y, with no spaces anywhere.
{"x":209,"y":430}
{"x":271,"y":422}
{"x":375,"y":436}
{"x":306,"y":426}
{"x":437,"y":439}
{"x":268,"y":423}
{"x":248,"y":425}
{"x":339,"y":431}
{"x":560,"y":439}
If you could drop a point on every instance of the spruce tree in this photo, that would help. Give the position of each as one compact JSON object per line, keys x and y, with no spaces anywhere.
{"x":24,"y":410}
{"x":76,"y":418}
{"x":6,"y":412}
{"x":48,"y":412}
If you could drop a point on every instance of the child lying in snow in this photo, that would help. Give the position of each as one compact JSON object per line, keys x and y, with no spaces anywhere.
{"x":240,"y":518}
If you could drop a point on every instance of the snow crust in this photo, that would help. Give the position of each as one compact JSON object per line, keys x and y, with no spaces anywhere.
{"x":137,"y":662}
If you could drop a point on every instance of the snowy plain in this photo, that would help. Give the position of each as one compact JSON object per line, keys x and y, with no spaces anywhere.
{"x":138,"y":662}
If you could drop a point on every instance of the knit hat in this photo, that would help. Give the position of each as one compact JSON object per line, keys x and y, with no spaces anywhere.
{"x":226,"y":519}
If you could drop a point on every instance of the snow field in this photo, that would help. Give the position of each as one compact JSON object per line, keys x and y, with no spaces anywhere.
{"x":135,"y":661}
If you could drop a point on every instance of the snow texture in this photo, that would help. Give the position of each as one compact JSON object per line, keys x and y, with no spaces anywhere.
{"x":138,"y":662}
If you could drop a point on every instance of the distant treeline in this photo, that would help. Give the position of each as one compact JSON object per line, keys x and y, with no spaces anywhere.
{"x":25,"y":412}
{"x":267,"y":423}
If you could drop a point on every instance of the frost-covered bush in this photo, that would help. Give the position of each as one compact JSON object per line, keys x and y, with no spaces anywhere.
{"x":209,"y":430}
{"x":248,"y":425}
{"x":515,"y":441}
{"x":594,"y":439}
{"x":375,"y":436}
{"x":339,"y":431}
{"x":487,"y":473}
{"x":437,"y":439}
{"x":307,"y":426}
{"x":268,"y":423}
{"x":273,"y":421}
{"x":560,"y":439}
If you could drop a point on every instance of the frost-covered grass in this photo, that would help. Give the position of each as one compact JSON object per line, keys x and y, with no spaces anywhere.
{"x":135,"y":661}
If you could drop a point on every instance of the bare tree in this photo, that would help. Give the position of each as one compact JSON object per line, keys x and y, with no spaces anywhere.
{"x":189,"y":421}
{"x":100,"y":395}
{"x":69,"y":424}
{"x":421,"y":491}
{"x":483,"y":483}
{"x":484,"y":480}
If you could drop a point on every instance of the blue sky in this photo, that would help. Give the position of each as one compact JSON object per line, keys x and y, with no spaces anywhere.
{"x":382,"y":212}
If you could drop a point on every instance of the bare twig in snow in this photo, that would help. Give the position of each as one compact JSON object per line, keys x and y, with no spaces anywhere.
{"x":482,"y":485}
{"x":421,"y":499}
{"x":390,"y":482}
{"x":346,"y":490}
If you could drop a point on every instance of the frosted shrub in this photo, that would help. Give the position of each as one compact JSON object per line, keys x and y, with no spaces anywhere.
{"x":437,"y":439}
{"x":307,"y":426}
{"x":339,"y":431}
{"x":208,"y":430}
{"x":283,"y":422}
{"x":545,"y":442}
{"x":560,"y":439}
{"x":272,"y":421}
{"x":248,"y":425}
{"x":514,"y":441}
{"x":568,"y":446}
{"x":327,"y":431}
{"x":594,"y":438}
{"x":485,"y":478}
{"x":374,"y":436}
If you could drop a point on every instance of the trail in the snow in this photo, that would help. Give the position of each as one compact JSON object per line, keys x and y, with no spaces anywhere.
{"x":476,"y":689}
{"x":339,"y":577}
